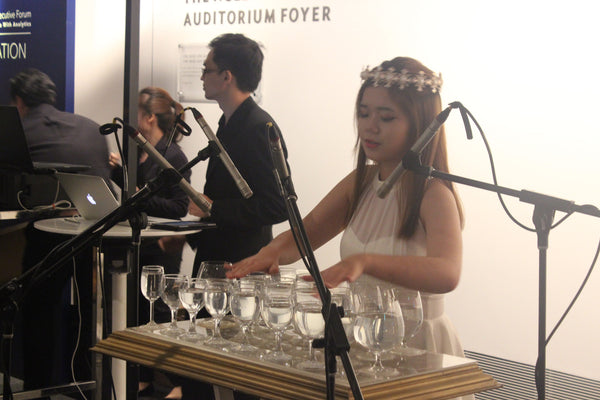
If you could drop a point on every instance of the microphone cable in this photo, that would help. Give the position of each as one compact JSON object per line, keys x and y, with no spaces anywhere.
{"x":179,"y":127}
{"x":466,"y":115}
{"x":107,"y":129}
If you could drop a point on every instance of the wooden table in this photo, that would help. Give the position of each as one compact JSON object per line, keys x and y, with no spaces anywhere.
{"x":427,"y":376}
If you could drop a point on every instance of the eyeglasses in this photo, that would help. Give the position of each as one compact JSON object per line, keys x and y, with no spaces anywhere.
{"x":209,"y":70}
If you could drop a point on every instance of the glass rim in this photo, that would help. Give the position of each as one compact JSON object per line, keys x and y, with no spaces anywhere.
{"x":217,"y":262}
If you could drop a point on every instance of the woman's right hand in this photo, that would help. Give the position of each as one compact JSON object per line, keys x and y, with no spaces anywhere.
{"x":267,"y":260}
{"x":114,"y":160}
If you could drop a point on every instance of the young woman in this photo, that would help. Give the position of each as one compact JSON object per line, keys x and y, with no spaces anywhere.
{"x":412,"y":237}
{"x":157,"y":113}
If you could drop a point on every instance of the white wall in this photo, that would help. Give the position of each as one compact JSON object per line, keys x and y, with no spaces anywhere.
{"x":526,"y":70}
{"x":99,"y":59}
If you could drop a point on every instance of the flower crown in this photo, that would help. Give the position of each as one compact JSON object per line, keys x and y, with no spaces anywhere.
{"x":389,"y":77}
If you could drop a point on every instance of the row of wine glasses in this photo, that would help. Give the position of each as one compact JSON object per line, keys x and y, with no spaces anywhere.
{"x":209,"y":288}
{"x":377,"y":319}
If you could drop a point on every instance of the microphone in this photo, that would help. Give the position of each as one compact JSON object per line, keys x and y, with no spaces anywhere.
{"x":141,"y":141}
{"x":233,"y":171}
{"x":416,"y":149}
{"x":278,"y":156}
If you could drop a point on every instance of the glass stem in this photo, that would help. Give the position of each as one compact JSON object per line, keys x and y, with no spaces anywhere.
{"x":151,"y":313}
{"x":278,"y":335}
{"x":192,"y":328}
{"x":174,"y":318}
{"x":245,"y":334}
{"x":217,"y":331}
{"x":378,"y":366}
{"x":311,"y":350}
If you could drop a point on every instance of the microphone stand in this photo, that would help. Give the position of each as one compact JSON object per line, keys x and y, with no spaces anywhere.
{"x":543,"y":215}
{"x":335,"y":341}
{"x":17,"y":289}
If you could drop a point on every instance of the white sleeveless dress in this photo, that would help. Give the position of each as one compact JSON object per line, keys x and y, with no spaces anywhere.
{"x":373,"y":229}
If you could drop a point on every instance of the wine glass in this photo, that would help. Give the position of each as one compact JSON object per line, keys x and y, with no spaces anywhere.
{"x":213,"y":269}
{"x":412,"y":311}
{"x":286,"y":272}
{"x":378,"y":325}
{"x":170,"y":296}
{"x":342,"y":297}
{"x":308,"y":319}
{"x":152,"y":286}
{"x":276,"y":310}
{"x":244,"y":306}
{"x":216,"y":302}
{"x":258,"y":328}
{"x":259,"y":277}
{"x":191,"y":295}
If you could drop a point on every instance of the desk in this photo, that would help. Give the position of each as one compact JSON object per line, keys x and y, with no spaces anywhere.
{"x":12,"y":239}
{"x":428,"y":376}
{"x":64,"y":226}
{"x":119,"y":319}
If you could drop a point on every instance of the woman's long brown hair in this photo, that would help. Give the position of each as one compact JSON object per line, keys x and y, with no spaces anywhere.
{"x":421,"y":108}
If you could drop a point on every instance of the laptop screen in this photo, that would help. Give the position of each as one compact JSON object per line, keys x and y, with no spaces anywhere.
{"x":14,"y":152}
{"x":89,"y":194}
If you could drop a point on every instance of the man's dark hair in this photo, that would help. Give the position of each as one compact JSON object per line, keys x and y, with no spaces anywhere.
{"x":241,"y":56}
{"x":34,"y":87}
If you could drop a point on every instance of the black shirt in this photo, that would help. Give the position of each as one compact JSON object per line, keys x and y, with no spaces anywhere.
{"x":244,"y":225}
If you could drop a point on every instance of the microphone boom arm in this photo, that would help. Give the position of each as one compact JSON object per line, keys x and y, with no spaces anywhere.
{"x":196,"y":197}
{"x":233,"y":171}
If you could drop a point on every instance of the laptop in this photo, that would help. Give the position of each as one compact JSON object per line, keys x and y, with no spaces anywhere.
{"x":93,"y":199}
{"x":14,"y":151}
{"x":89,"y":194}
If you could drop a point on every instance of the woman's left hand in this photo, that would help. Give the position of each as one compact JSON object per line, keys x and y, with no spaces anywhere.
{"x":196,"y":211}
{"x":347,"y":270}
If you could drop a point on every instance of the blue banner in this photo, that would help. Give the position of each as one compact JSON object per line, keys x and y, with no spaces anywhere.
{"x":38,"y":34}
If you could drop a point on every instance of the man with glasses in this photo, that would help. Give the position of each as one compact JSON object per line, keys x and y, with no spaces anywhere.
{"x":232,"y":72}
